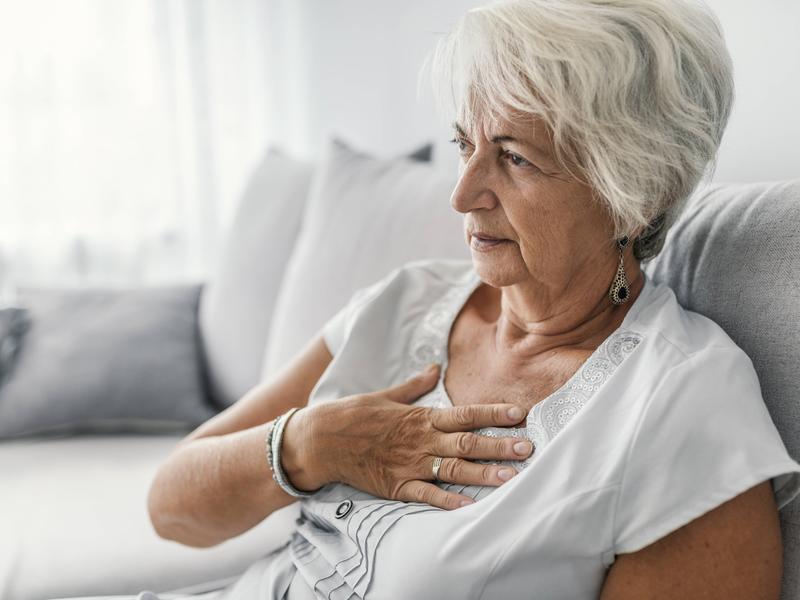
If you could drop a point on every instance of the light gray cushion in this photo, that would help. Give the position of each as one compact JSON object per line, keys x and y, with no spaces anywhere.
{"x":734,"y":256}
{"x":238,"y":303}
{"x":364,"y":217}
{"x":107,"y":360}
{"x":240,"y":293}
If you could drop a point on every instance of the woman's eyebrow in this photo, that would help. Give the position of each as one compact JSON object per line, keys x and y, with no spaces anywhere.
{"x":506,"y":138}
{"x":459,"y":129}
{"x":527,"y":143}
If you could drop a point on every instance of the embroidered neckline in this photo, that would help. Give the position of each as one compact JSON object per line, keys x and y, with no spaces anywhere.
{"x":550,"y":415}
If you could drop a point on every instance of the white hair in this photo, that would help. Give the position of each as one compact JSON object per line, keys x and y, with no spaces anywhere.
{"x":636,"y":93}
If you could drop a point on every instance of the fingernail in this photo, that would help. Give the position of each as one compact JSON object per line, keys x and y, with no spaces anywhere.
{"x":515,"y":413}
{"x":504,"y":474}
{"x":466,"y":502}
{"x":431,"y":367}
{"x":522,"y":447}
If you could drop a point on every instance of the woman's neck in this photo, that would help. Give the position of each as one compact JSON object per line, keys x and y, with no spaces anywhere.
{"x":581,"y":318}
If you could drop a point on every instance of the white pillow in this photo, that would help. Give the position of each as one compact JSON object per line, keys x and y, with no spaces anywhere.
{"x":364,"y":217}
{"x":239,"y":297}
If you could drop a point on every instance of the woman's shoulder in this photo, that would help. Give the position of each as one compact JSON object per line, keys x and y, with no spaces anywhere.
{"x":699,"y":431}
{"x":447,"y":271}
{"x":419,"y":280}
{"x":395,"y":299}
{"x":426,"y":275}
{"x":670,"y":328}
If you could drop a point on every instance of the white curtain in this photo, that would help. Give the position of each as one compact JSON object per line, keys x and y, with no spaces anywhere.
{"x":127,"y":129}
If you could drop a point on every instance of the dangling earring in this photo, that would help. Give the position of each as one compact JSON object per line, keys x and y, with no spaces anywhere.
{"x":620,"y":288}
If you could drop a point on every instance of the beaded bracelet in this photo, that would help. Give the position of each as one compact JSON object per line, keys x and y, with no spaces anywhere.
{"x":274,"y":438}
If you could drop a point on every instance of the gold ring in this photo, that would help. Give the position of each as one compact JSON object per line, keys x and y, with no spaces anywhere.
{"x":437,"y":462}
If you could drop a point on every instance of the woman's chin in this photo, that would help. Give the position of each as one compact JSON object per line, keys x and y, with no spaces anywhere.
{"x":497,"y":268}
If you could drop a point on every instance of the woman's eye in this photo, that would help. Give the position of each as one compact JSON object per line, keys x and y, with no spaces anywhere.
{"x":462,"y":145}
{"x":517,"y":160}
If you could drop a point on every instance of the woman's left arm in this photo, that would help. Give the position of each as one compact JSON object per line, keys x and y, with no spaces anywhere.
{"x":733,"y":552}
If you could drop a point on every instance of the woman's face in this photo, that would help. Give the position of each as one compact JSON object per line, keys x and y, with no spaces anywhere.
{"x":511,"y":187}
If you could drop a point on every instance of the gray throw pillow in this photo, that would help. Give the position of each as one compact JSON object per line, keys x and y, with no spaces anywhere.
{"x":106,"y":360}
{"x":14,"y":322}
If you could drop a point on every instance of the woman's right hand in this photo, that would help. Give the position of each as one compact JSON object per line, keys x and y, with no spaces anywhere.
{"x":378,"y":443}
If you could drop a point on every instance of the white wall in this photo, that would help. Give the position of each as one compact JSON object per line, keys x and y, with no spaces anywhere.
{"x":352,"y":69}
{"x":357,"y":63}
{"x":762,"y":141}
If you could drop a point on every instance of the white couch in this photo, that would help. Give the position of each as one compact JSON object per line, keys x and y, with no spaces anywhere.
{"x":73,"y":518}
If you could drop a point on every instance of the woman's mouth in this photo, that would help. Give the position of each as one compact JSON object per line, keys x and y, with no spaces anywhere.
{"x":482,"y":244}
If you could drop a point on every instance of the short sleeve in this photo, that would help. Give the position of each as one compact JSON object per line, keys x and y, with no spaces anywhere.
{"x":336,"y":328}
{"x":704,"y":437}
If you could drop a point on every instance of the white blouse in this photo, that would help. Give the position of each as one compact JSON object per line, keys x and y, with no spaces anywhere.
{"x":664,"y":422}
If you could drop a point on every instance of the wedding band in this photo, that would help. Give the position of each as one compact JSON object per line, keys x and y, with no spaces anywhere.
{"x":437,"y":462}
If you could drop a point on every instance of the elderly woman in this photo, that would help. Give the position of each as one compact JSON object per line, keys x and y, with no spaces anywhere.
{"x":581,"y":435}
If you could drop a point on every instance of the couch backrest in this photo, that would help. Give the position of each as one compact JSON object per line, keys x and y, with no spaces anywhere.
{"x":734,"y":256}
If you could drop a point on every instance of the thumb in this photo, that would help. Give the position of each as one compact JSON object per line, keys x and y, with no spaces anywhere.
{"x":413,"y":388}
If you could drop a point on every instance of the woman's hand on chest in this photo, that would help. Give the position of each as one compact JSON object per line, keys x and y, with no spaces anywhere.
{"x":378,"y":443}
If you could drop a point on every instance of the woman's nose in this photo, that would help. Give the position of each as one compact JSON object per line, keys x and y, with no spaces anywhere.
{"x":472,"y":190}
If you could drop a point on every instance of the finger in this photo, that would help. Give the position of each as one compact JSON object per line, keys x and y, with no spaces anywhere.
{"x":465,"y":444}
{"x":474,"y":416}
{"x":464,"y":472}
{"x":413,"y":388}
{"x":429,"y":493}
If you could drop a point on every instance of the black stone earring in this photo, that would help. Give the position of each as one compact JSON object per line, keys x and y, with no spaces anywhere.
{"x":620,"y":288}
